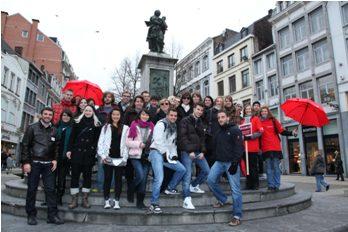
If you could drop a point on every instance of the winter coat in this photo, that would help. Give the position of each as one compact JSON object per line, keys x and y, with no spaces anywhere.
{"x":182,"y":113}
{"x":160,"y":115}
{"x":270,"y":140}
{"x":129,"y":116}
{"x":191,"y":135}
{"x":256,"y":126}
{"x":339,"y":166}
{"x":58,"y":108}
{"x":120,"y":107}
{"x":134,"y":144}
{"x":318,"y":166}
{"x":103,"y":116}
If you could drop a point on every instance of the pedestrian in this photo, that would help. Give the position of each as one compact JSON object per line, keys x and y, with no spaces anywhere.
{"x":39,"y":158}
{"x":229,"y":150}
{"x":339,"y":166}
{"x":162,"y":111}
{"x":81,"y":151}
{"x":10,"y":163}
{"x":66,"y":102}
{"x":185,"y":107}
{"x":318,"y":170}
{"x":111,"y":145}
{"x":125,"y":102}
{"x":163,"y":152}
{"x":4,"y":155}
{"x":81,"y":105}
{"x":253,"y":144}
{"x":138,"y":141}
{"x":191,"y":144}
{"x":196,"y":98}
{"x":271,"y":146}
{"x":64,"y":128}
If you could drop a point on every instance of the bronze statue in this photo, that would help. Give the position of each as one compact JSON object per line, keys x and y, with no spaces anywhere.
{"x":157,"y":28}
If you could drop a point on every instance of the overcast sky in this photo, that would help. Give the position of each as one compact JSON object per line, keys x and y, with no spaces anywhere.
{"x":122,"y":31}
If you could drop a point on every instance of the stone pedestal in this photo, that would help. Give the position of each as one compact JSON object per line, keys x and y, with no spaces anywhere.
{"x":157,"y":74}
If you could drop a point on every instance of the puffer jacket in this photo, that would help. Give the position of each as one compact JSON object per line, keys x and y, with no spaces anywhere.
{"x":133,"y":145}
{"x":318,"y":167}
{"x":191,"y":135}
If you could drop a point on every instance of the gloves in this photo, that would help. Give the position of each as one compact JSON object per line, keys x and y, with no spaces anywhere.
{"x":247,"y":137}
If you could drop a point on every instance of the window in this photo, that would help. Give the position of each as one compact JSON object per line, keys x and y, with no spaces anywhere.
{"x":321,"y":53}
{"x":12,"y":81}
{"x":245,"y":78}
{"x":12,"y":118}
{"x":18,"y":88}
{"x":299,"y":28}
{"x":190,"y":73}
{"x":326,"y":89}
{"x":19,"y":51}
{"x":302,"y":60}
{"x":289,"y":93}
{"x":260,"y":90}
{"x":219,"y":67}
{"x":273,"y":86}
{"x":40,"y":37}
{"x":270,"y":58}
{"x":25,"y":34}
{"x":345,"y":14}
{"x":197,"y":68}
{"x":231,"y":61}
{"x":286,"y":65}
{"x":306,"y":90}
{"x":316,"y":20}
{"x":206,"y":88}
{"x":184,"y":76}
{"x":284,"y":38}
{"x":221,"y":88}
{"x":232,"y":82}
{"x":4,"y":77}
{"x":258,"y":67}
{"x":205,"y":63}
{"x":4,"y":107}
{"x":244,"y":54}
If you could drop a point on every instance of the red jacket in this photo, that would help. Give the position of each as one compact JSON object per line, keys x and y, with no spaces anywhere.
{"x":58,"y":108}
{"x":270,"y":140}
{"x":254,"y":144}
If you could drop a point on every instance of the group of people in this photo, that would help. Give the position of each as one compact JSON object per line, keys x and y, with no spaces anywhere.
{"x":166,"y":136}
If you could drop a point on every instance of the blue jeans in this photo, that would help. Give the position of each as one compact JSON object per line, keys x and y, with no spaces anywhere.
{"x":141,"y":172}
{"x":234,"y":180}
{"x":273,"y":172}
{"x":319,"y":179}
{"x":157,"y":164}
{"x":203,"y":174}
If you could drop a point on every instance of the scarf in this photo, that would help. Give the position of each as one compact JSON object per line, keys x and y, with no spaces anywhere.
{"x":170,"y":127}
{"x":186,"y":107}
{"x":66,"y":103}
{"x":63,"y":126}
{"x":133,"y":131}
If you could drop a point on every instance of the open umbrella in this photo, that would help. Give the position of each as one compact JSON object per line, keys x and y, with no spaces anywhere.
{"x":305,"y":111}
{"x":85,"y":89}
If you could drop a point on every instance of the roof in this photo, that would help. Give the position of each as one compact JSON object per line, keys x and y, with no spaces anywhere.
{"x":6,"y":48}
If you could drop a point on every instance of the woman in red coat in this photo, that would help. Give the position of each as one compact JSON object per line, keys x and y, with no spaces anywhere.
{"x":253,"y":146}
{"x":271,"y":147}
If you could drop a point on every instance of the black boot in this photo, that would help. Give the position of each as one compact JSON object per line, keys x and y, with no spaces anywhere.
{"x":130,"y":194}
{"x":140,"y":201}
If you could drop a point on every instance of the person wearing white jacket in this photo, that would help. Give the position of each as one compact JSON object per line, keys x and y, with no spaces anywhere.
{"x":163,"y":152}
{"x":114,"y":154}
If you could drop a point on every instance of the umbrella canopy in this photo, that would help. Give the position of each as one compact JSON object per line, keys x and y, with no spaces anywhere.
{"x":305,"y":111}
{"x":85,"y":89}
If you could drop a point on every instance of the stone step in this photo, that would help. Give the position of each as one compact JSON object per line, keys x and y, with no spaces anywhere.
{"x":170,"y":215}
{"x":18,"y":188}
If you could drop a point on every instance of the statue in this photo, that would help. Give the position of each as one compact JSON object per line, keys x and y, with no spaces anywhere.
{"x":157,"y":28}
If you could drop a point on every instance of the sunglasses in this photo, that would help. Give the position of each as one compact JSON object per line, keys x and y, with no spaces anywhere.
{"x":165,"y":103}
{"x":187,"y":98}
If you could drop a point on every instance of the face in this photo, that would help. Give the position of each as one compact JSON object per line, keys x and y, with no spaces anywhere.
{"x":248,"y":110}
{"x":108,"y":99}
{"x":222,"y":118}
{"x":172,"y":116}
{"x":83,"y":104}
{"x":185,"y":100}
{"x":165,"y":106}
{"x":154,"y":103}
{"x":115,"y":116}
{"x":88,"y":112}
{"x":198,"y":111}
{"x":195,"y":99}
{"x":126,"y":98}
{"x":139,"y":104}
{"x":264,"y":113}
{"x":218,"y":102}
{"x":144,"y":116}
{"x":65,"y":118}
{"x":68,"y":96}
{"x":91,"y":103}
{"x":256,"y":107}
{"x":228,"y":103}
{"x":146,"y":97}
{"x":177,"y":102}
{"x":47,"y":116}
{"x":208,"y":102}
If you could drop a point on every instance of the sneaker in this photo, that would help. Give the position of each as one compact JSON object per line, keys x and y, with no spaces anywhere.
{"x":196,"y":189}
{"x":171,"y":192}
{"x":234,"y":222}
{"x":107,"y":204}
{"x":327,"y":187}
{"x":188,"y":203}
{"x":154,"y":209}
{"x":218,"y":204}
{"x":116,"y":205}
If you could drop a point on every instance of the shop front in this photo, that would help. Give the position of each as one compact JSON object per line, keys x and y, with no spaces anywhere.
{"x":331,"y":145}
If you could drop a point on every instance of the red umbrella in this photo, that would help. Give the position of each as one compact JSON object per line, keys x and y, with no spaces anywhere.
{"x":85,"y":89}
{"x":305,"y":111}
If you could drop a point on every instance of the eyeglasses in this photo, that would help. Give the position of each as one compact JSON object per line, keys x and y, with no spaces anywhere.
{"x":165,"y":103}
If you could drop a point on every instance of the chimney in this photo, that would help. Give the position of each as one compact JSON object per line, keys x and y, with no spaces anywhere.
{"x":32,"y":39}
{"x":3,"y":21}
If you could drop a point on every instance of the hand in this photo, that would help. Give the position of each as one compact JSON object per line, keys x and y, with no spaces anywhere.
{"x":68,"y":154}
{"x":201,"y":156}
{"x":247,"y":137}
{"x":103,"y":160}
{"x":192,"y":155}
{"x":54,"y":165}
{"x":26,"y":168}
{"x":295,"y":132}
{"x":142,"y":145}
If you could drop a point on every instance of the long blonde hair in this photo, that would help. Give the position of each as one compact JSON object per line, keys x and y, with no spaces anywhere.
{"x":95,"y":118}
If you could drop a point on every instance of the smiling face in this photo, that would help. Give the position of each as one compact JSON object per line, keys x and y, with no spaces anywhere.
{"x":66,"y":118}
{"x":88,"y":112}
{"x":172,"y":116}
{"x":144,"y":116}
{"x":219,"y":102}
{"x":83,"y":104}
{"x":68,"y":95}
{"x":115,"y":116}
{"x":207,"y":102}
{"x":139,"y":104}
{"x":164,"y":105}
{"x":264,"y":113}
{"x":47,"y":116}
{"x":228,"y":103}
{"x":198,"y":111}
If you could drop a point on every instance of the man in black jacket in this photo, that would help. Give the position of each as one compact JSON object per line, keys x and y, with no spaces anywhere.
{"x":192,"y":146}
{"x":39,"y":157}
{"x":228,"y":152}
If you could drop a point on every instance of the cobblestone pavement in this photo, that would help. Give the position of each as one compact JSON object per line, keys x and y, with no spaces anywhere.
{"x":329,"y":212}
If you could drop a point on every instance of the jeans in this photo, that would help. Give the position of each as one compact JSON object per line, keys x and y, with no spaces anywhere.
{"x":203,"y":174}
{"x":111,"y":172}
{"x":76,"y":170}
{"x":320,"y":181}
{"x":141,"y":172}
{"x":234,"y":180}
{"x":273,"y":172}
{"x":48,"y":178}
{"x":157,"y":164}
